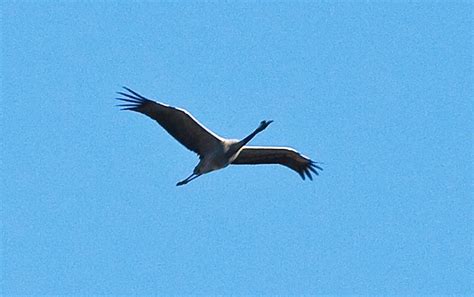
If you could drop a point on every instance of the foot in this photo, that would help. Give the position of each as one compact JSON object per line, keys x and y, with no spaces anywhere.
{"x":183,"y":182}
{"x":188,"y":179}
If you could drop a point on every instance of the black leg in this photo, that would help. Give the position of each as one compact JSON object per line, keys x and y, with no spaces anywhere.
{"x":188,"y":179}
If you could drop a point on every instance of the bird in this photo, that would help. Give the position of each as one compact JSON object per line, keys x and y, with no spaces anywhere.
{"x":214,"y":152}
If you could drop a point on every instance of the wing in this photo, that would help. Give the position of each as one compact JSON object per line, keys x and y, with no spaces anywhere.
{"x":278,"y":155}
{"x":177,"y":122}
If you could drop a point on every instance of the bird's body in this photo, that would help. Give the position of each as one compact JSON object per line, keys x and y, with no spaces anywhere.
{"x":214,"y":151}
{"x":222,"y":156}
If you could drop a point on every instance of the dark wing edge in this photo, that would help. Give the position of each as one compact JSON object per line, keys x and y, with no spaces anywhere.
{"x":134,"y":101}
{"x":177,"y":122}
{"x":278,"y":155}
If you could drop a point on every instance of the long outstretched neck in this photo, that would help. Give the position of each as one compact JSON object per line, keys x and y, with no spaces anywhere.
{"x":237,"y":146}
{"x":249,"y":137}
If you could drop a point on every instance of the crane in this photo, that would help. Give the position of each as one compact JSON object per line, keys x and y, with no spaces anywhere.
{"x":214,"y":151}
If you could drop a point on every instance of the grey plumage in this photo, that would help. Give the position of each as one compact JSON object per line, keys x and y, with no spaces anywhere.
{"x":214,"y":151}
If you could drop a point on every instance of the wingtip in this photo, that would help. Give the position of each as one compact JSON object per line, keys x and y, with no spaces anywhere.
{"x":311,"y":168}
{"x":302,"y":175}
{"x":314,"y":164}
{"x":134,"y":93}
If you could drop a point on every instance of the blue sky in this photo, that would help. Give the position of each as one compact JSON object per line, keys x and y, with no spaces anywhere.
{"x":381,"y":93}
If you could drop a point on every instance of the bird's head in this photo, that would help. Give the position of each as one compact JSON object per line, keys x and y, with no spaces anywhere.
{"x":263,"y":125}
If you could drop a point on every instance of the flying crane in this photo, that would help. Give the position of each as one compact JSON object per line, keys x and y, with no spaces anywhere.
{"x":214,"y":151}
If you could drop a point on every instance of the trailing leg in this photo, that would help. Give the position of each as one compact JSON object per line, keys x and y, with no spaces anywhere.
{"x":188,"y":179}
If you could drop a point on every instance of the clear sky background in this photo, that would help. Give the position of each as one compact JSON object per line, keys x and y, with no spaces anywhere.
{"x":381,"y":93}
